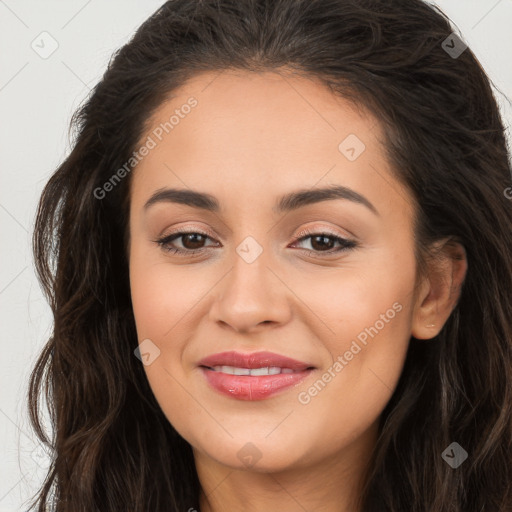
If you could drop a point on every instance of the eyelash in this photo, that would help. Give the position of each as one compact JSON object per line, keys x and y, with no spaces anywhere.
{"x":346,"y":244}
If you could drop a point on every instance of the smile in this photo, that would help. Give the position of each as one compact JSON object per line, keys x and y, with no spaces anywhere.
{"x":254,"y":383}
{"x":268,"y":370}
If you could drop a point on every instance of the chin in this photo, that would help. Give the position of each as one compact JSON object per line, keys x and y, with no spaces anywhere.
{"x":253,"y":453}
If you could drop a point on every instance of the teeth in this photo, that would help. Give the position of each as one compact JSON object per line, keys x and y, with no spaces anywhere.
{"x":272,"y":370}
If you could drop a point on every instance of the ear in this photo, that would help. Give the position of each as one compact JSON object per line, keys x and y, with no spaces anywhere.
{"x":440,"y":290}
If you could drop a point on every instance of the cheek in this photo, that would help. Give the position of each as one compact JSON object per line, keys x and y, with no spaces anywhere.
{"x":368,"y":336}
{"x":161,"y":294}
{"x":162,"y":301}
{"x":366,"y":326}
{"x":359,"y":294}
{"x":168,"y":299}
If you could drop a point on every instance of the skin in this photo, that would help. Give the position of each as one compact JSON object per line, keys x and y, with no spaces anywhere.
{"x":251,"y":139}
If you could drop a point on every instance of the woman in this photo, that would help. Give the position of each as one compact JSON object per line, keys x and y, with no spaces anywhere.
{"x":280,"y":265}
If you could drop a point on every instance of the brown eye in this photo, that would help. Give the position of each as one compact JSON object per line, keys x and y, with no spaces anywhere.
{"x":321,"y":242}
{"x":325,"y":243}
{"x":192,"y":242}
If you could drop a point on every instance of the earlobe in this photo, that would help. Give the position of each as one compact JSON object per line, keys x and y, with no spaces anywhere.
{"x":440,"y":291}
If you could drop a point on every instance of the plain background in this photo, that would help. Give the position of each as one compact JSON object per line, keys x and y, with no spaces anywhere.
{"x":37,"y":97}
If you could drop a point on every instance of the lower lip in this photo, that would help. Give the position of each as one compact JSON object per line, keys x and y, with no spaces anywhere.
{"x":247,"y":387}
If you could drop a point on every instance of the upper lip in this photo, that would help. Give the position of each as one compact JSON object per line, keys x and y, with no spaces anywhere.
{"x":253,"y":360}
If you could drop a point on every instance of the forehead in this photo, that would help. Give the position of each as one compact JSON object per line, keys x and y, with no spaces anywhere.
{"x":251,"y":102}
{"x":259,"y":132}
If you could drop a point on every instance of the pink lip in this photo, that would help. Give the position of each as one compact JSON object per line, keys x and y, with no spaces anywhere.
{"x":253,"y":360}
{"x":247,"y":387}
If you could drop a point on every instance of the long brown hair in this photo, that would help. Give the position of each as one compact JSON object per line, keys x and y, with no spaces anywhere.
{"x":112,"y":447}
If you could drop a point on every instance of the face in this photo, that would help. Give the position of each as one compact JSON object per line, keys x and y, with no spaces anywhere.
{"x":266,"y":262}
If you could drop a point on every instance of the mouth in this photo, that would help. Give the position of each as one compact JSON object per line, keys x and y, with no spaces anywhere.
{"x":253,"y":376}
{"x":253,"y":360}
{"x":254,"y":372}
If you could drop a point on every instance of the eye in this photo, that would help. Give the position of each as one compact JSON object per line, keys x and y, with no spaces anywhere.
{"x":190,"y":240}
{"x":193,"y":243}
{"x":324,"y":243}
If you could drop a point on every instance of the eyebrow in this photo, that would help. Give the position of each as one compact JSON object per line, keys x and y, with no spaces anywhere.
{"x":287,"y":203}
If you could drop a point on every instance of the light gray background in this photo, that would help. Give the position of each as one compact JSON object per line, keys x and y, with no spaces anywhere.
{"x":37,"y":98}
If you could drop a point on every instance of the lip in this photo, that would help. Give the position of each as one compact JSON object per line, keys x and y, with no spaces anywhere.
{"x":253,"y":360}
{"x":247,"y":387}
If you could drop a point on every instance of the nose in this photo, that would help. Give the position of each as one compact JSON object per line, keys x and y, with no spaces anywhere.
{"x":251,"y":297}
